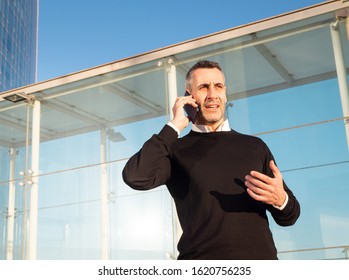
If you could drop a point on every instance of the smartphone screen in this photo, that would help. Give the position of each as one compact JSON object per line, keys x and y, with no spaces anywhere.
{"x":190,"y":110}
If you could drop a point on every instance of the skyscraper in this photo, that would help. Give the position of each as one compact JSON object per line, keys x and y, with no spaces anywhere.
{"x":18,"y":42}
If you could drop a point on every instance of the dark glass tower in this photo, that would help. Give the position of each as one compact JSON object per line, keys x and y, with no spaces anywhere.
{"x":18,"y":43}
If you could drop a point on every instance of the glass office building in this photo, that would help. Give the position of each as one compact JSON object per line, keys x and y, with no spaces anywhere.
{"x":63,"y":147}
{"x":18,"y":43}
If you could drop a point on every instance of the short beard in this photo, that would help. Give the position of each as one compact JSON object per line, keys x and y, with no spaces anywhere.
{"x":201,"y":119}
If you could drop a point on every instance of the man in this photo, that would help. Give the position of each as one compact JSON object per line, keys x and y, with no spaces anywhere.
{"x":222,"y":182}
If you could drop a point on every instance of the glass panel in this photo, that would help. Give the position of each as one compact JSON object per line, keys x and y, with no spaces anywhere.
{"x":69,"y":215}
{"x":323,"y":228}
{"x":70,"y":202}
{"x":14,"y":183}
{"x":70,"y":221}
{"x":141,"y":222}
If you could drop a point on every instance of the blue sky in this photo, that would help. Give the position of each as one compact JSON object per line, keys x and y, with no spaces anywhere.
{"x":78,"y":34}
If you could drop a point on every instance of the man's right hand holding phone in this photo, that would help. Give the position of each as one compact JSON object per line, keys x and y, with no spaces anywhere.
{"x":180,"y":119}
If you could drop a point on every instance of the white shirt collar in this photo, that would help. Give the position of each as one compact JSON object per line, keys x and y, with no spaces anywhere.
{"x":206,"y":129}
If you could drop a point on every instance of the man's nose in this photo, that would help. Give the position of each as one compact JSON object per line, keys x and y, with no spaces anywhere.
{"x":211,"y":91}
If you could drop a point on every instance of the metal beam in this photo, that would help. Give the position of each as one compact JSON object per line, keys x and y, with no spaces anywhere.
{"x":133,"y":97}
{"x":73,"y":111}
{"x":273,"y":61}
{"x":341,"y":73}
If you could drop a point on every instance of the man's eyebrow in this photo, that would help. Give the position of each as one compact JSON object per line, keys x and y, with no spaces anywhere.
{"x":204,"y":84}
{"x":207,"y":84}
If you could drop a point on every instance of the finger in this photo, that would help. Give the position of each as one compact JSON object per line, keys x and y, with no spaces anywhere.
{"x":252,"y":181}
{"x":181,"y":101}
{"x":260,"y":176}
{"x":252,"y":194}
{"x":274,"y":169}
{"x":190,"y":100}
{"x":256,"y":190}
{"x":257,"y":186}
{"x":255,"y":195}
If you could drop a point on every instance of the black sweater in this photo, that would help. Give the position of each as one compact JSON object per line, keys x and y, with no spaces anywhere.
{"x":204,"y":173}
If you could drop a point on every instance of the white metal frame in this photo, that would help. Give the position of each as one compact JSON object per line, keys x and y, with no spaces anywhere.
{"x":11,"y":206}
{"x":104,"y":198}
{"x":341,"y":73}
{"x":34,"y":186}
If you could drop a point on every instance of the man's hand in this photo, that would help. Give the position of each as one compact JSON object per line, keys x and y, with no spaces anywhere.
{"x":266,"y":189}
{"x":180,"y":120}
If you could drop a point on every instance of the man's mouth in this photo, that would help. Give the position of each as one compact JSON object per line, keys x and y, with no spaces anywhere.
{"x":212,"y":106}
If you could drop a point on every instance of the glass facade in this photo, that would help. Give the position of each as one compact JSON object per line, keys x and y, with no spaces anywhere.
{"x":18,"y":43}
{"x":63,"y":149}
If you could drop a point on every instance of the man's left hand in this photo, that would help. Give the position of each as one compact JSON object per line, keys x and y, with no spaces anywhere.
{"x":266,"y":189}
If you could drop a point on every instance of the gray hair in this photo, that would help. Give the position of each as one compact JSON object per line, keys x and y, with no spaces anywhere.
{"x":199,"y":65}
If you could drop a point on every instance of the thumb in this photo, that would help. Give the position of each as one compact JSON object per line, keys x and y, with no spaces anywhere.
{"x":274,"y":169}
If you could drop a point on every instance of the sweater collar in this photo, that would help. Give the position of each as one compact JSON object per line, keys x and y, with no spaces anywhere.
{"x":206,"y":129}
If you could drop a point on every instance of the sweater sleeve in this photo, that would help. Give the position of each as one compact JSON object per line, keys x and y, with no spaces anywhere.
{"x":151,"y":167}
{"x":289,"y":215}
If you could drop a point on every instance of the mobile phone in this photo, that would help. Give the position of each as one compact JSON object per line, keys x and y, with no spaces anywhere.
{"x":190,"y":110}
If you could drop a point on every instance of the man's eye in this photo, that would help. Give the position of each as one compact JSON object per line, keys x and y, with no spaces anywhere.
{"x":203,"y":87}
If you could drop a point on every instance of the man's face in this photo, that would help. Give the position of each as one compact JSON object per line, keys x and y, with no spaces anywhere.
{"x":209,"y":91}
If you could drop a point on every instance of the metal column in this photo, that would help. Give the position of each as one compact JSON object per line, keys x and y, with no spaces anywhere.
{"x":341,"y":73}
{"x":172,"y":84}
{"x":34,"y":180}
{"x":11,"y":206}
{"x":172,"y":92}
{"x":104,"y":199}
